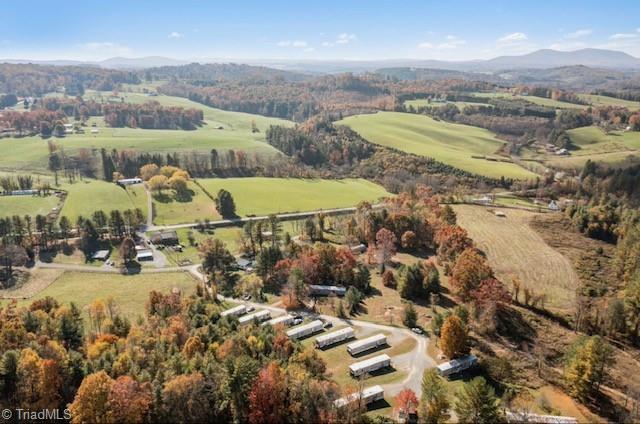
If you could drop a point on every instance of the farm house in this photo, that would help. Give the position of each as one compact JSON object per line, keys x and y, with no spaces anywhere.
{"x":235,"y":311}
{"x":457,"y":365}
{"x":306,"y":330}
{"x":285,"y":320}
{"x":366,"y":344}
{"x":256,"y":316}
{"x":165,"y":237}
{"x":368,"y":395}
{"x":335,"y":337}
{"x":370,"y":365}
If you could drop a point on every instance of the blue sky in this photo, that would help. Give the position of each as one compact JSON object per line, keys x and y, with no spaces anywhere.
{"x":374,"y":29}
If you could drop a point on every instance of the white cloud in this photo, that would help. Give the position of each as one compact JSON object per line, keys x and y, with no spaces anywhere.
{"x":175,"y":34}
{"x":450,"y":42}
{"x":309,"y":49}
{"x":579,"y":34}
{"x":622,"y":36}
{"x":345,"y":38}
{"x":512,"y":38}
{"x":327,"y":44}
{"x":516,"y":42}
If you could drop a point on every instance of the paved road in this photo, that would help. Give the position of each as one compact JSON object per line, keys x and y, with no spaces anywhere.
{"x":240,"y":221}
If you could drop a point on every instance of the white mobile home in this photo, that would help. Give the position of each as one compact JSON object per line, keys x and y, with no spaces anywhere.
{"x":527,"y":417}
{"x":256,"y":316}
{"x":335,"y":337}
{"x":285,"y":320}
{"x":366,"y":344}
{"x":320,"y":290}
{"x":368,"y":395}
{"x":370,"y":365}
{"x":129,"y":181}
{"x":457,"y":365}
{"x":235,"y":311}
{"x":306,"y":330}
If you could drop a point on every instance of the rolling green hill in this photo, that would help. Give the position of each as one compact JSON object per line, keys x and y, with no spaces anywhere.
{"x":453,"y":144}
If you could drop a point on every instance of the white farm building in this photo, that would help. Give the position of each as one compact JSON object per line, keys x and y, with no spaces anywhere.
{"x":457,"y":365}
{"x":285,"y":320}
{"x":235,"y":311}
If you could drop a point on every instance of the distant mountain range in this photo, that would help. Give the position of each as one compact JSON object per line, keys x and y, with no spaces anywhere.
{"x":540,"y":59}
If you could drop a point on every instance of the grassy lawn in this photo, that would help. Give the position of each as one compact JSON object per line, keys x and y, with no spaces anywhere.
{"x":453,"y":144}
{"x":515,"y":249}
{"x":598,"y":100}
{"x":258,"y":196}
{"x":88,"y":196}
{"x":31,"y":153}
{"x":168,"y":209}
{"x":129,"y":292}
{"x":27,"y":205}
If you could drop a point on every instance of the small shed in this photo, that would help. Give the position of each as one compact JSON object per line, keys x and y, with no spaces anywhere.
{"x":500,"y":214}
{"x":144,"y":255}
{"x":553,"y":206}
{"x":101,"y":255}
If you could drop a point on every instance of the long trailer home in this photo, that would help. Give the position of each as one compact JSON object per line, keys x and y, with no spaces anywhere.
{"x":235,"y":311}
{"x":528,"y":417}
{"x":256,"y":316}
{"x":370,"y":365}
{"x":285,"y":320}
{"x":367,"y":396}
{"x":306,"y":330}
{"x":321,"y":290}
{"x":455,"y":366}
{"x":335,"y":337}
{"x":369,"y":343}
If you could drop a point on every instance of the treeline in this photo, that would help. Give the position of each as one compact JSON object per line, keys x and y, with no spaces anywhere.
{"x":318,"y":142}
{"x":26,"y":80}
{"x":151,"y":115}
{"x":37,"y":121}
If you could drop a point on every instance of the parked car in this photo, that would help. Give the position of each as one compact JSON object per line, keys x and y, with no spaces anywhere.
{"x":327,"y":324}
{"x":250,"y":308}
{"x":417,"y":330}
{"x":247,"y":297}
{"x":297,"y":321}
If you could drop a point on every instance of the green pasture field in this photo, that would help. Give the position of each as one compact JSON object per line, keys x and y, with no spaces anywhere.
{"x":169,"y":209}
{"x":261,"y":196}
{"x":130,"y":292}
{"x":541,"y":101}
{"x":598,"y":100}
{"x":452,"y":144}
{"x":87,"y":196}
{"x":614,"y":148}
{"x":31,"y":153}
{"x":416,"y":103}
{"x":27,"y":205}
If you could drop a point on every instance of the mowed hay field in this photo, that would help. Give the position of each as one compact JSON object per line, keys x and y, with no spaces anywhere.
{"x":453,"y":144}
{"x":31,"y":153}
{"x":515,"y":249}
{"x":540,"y":101}
{"x":27,"y":205}
{"x":130,"y":292}
{"x":593,"y":143}
{"x":87,"y":196}
{"x":261,"y":196}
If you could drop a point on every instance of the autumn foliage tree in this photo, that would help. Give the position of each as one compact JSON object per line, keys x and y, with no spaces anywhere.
{"x":91,"y":402}
{"x":406,"y":402}
{"x":470,"y":269}
{"x":452,"y":241}
{"x":129,"y":401}
{"x":267,"y":397}
{"x":453,"y":337}
{"x":386,"y":244}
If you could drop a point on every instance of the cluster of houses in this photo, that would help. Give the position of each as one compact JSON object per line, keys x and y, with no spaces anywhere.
{"x":556,"y":150}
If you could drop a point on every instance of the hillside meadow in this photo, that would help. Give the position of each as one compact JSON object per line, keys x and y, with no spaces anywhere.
{"x":452,"y":144}
{"x":261,"y":196}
